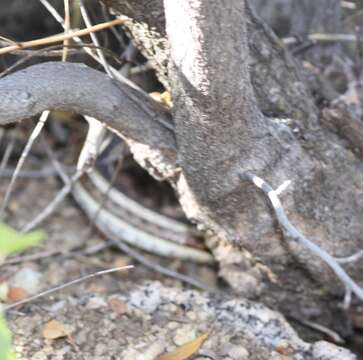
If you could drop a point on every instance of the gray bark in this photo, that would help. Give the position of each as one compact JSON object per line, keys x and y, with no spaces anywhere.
{"x":147,"y":29}
{"x":277,"y":82}
{"x":219,"y":134}
{"x":77,"y":88}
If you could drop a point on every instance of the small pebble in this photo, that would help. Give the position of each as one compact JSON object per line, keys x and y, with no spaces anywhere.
{"x":27,"y":279}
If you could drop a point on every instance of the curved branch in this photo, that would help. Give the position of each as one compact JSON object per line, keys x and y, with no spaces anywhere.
{"x":78,"y":88}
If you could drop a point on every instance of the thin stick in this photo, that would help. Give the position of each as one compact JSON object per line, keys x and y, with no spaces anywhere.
{"x":49,"y":209}
{"x":135,"y":235}
{"x":63,"y":286}
{"x":114,"y":31}
{"x":61,"y":37}
{"x":94,"y":38}
{"x":351,"y":258}
{"x":32,"y":257}
{"x":155,"y":266}
{"x":69,"y":182}
{"x":320,"y":37}
{"x":7,"y":153}
{"x":67,"y":26}
{"x":47,"y":52}
{"x":136,"y":255}
{"x":28,"y":54}
{"x":323,"y":329}
{"x":35,"y":133}
{"x":350,"y":284}
{"x":76,"y":251}
{"x":46,"y":171}
{"x":182,"y":231}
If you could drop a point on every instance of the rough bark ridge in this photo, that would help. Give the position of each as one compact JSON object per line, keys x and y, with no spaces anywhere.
{"x":318,"y":164}
{"x":147,"y":28}
{"x":220,"y":130}
{"x":278,"y":84}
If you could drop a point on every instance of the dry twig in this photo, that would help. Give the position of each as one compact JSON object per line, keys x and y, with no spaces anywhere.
{"x":350,"y":284}
{"x":63,"y":286}
{"x":67,"y":24}
{"x":35,"y":133}
{"x":127,"y":249}
{"x":326,"y":38}
{"x":61,"y":37}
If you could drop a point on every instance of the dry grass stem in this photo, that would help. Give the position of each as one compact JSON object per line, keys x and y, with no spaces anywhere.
{"x":61,"y":37}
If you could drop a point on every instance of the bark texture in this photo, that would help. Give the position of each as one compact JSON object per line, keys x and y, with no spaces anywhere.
{"x":214,"y":130}
{"x":279,"y":86}
{"x":140,"y":120}
{"x":221,"y":133}
{"x":147,"y":29}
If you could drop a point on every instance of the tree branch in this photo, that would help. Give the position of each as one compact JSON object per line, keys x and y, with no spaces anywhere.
{"x":77,"y":88}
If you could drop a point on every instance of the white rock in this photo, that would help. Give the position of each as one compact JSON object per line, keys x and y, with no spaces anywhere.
{"x":27,"y":279}
{"x":323,"y":350}
{"x":95,"y":303}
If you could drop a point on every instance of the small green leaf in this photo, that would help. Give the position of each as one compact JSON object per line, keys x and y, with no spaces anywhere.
{"x":5,"y":340}
{"x":12,"y":241}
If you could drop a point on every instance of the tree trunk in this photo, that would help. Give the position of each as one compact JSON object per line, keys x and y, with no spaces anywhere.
{"x":220,"y":134}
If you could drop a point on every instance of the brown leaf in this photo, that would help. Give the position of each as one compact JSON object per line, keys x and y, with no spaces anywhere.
{"x":117,"y":305}
{"x":16,"y":294}
{"x":54,"y":330}
{"x":164,"y":98}
{"x":186,"y":350}
{"x":283,"y":349}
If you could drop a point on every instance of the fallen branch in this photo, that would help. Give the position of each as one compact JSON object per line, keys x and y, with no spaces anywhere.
{"x":116,"y":241}
{"x":180,"y":231}
{"x":113,"y":225}
{"x":118,"y":228}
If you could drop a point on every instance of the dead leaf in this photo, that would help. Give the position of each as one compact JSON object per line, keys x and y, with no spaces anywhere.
{"x":16,"y":294}
{"x":186,"y":350}
{"x":164,"y":98}
{"x":54,"y":330}
{"x":283,"y":349}
{"x":117,"y":306}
